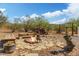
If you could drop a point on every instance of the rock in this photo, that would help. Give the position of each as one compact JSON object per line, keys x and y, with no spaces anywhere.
{"x":60,"y":44}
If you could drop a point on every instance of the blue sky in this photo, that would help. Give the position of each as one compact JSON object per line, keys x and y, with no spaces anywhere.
{"x":54,"y":12}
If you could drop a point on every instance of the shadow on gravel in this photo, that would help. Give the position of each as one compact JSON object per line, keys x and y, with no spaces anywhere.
{"x":67,"y":49}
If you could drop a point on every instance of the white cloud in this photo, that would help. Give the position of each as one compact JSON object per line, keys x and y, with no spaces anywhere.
{"x":52,"y":14}
{"x":60,"y":21}
{"x":34,"y":15}
{"x":23,"y":17}
{"x":2,"y":10}
{"x":72,"y":10}
{"x":73,"y":7}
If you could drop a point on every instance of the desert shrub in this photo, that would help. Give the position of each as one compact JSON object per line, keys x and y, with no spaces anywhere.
{"x":36,"y":24}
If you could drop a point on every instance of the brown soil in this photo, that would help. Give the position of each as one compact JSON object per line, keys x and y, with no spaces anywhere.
{"x":43,"y":47}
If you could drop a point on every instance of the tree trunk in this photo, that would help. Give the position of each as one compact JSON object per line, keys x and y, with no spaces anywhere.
{"x":66,"y":31}
{"x":72,"y":29}
{"x":59,"y":30}
{"x":76,"y":30}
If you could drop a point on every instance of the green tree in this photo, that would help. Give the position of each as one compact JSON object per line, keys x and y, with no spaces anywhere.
{"x":3,"y":19}
{"x":34,"y":23}
{"x":16,"y":25}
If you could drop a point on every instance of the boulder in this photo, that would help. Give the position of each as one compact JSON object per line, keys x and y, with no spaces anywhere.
{"x":31,"y":39}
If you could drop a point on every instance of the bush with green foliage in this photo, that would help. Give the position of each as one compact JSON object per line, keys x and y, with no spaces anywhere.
{"x":3,"y":19}
{"x":37,"y":22}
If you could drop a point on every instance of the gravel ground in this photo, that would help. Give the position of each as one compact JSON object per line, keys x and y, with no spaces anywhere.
{"x":42,"y":48}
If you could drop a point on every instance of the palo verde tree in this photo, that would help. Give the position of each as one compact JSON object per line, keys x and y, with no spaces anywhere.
{"x":16,"y":25}
{"x":3,"y":19}
{"x":36,"y":24}
{"x":27,"y":23}
{"x":41,"y":24}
